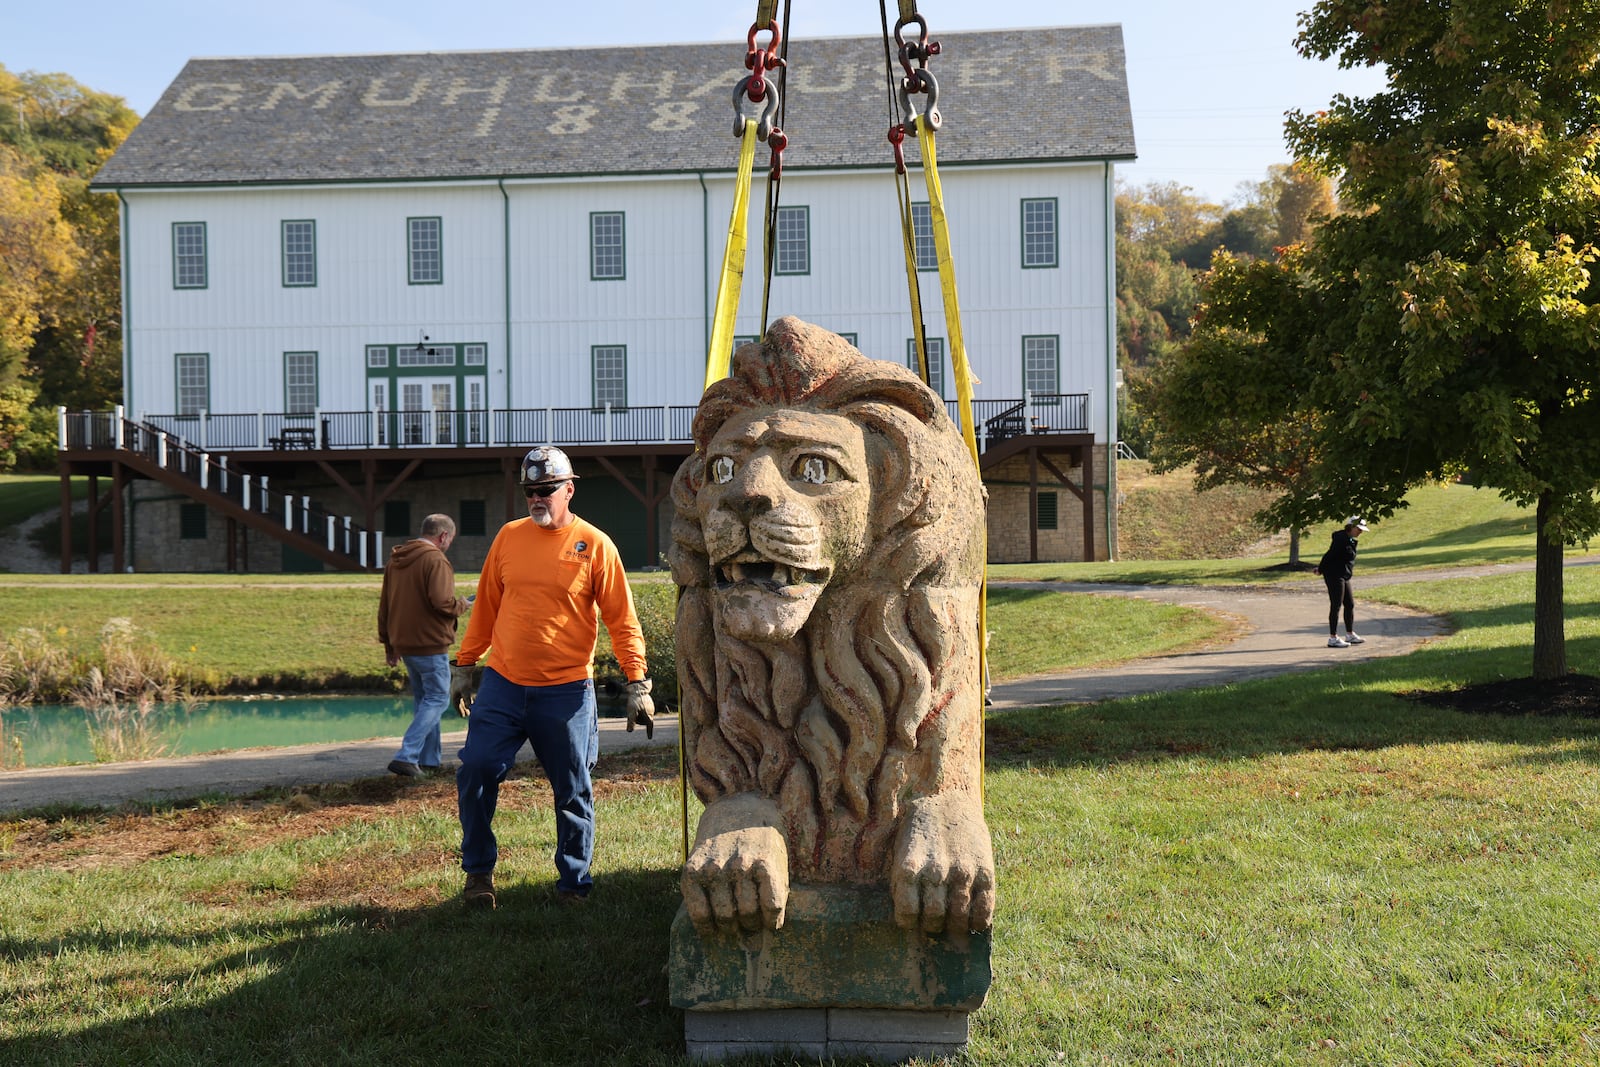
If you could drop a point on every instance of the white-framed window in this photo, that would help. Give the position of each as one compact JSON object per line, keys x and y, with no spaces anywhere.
{"x":793,"y":226}
{"x":474,"y":355}
{"x":377,"y":355}
{"x":1041,"y":365}
{"x":1039,"y":237}
{"x":935,"y":361}
{"x":189,"y":255}
{"x":742,"y":339}
{"x":610,"y":363}
{"x":425,"y":251}
{"x":922,"y":236}
{"x":300,"y":382}
{"x":608,"y":252}
{"x":299,"y":253}
{"x":420,"y":355}
{"x":193,"y":373}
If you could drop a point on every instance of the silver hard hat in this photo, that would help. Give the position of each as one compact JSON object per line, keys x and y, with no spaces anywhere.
{"x":543,"y":466}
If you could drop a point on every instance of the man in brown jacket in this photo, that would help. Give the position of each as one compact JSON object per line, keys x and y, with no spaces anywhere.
{"x":417,"y":615}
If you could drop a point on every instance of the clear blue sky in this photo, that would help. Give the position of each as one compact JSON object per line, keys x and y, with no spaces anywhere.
{"x":1209,"y":82}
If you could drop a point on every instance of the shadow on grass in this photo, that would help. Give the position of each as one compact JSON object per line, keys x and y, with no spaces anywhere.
{"x":531,"y":982}
{"x":1465,"y":540}
{"x":1355,"y":707}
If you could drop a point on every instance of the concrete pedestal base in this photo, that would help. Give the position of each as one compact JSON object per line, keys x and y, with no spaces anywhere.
{"x":839,"y":978}
{"x":822,"y":1033}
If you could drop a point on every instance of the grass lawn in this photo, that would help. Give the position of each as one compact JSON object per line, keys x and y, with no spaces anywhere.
{"x":25,"y":495}
{"x":1443,"y":526}
{"x":281,"y":633}
{"x":1303,"y":870}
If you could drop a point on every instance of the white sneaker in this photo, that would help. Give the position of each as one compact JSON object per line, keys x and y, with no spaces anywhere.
{"x":1335,"y":641}
{"x":1355,"y":639}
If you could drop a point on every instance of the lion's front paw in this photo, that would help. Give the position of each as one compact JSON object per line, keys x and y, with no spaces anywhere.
{"x":737,"y":877}
{"x":943,"y":874}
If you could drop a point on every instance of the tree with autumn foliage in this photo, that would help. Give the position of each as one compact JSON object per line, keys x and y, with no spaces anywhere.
{"x":60,"y":268}
{"x":1451,"y":318}
{"x":1230,"y":402}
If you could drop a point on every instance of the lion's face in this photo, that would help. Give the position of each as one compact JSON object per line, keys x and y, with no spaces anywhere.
{"x":784,"y":508}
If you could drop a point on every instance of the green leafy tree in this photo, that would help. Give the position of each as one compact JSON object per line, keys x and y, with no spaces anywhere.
{"x":1455,"y":318}
{"x":1229,"y":402}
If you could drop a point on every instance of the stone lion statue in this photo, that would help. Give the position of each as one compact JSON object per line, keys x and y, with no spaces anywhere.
{"x":828,"y":543}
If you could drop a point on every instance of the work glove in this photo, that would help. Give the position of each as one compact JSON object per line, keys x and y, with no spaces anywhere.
{"x":640,"y":708}
{"x":464,"y":687}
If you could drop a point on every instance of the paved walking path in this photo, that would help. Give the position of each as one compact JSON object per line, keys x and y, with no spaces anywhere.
{"x":1284,"y":629}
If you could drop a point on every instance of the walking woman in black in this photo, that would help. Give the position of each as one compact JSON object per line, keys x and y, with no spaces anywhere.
{"x":1336,"y":567}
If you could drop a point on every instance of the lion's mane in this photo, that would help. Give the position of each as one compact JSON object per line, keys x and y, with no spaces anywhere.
{"x":876,"y":700}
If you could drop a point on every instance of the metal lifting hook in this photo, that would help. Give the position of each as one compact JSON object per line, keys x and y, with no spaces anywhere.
{"x":925,"y":83}
{"x":764,"y":111}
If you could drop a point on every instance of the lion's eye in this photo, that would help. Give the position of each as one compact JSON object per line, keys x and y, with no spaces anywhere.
{"x":722,"y":470}
{"x":815,"y":469}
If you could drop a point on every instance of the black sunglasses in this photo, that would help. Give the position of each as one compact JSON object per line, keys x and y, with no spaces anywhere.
{"x":541,"y":490}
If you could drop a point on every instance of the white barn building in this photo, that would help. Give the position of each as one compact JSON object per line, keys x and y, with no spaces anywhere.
{"x":358,"y":288}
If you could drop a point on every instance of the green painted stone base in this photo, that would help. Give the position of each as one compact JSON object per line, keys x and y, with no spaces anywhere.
{"x":838,"y":948}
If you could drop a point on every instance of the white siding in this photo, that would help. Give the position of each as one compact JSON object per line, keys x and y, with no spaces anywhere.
{"x":675,"y":232}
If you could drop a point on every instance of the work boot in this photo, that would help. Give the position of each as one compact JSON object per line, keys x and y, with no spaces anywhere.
{"x":479,"y":892}
{"x":571,"y":897}
{"x":404,"y":769}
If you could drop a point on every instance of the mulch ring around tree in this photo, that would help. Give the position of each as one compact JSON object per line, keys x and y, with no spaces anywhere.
{"x":1576,"y":695}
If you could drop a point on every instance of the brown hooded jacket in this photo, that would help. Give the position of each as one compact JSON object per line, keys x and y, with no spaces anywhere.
{"x":418,"y":608}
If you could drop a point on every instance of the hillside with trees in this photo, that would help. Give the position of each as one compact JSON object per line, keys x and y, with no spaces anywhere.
{"x":60,"y":269}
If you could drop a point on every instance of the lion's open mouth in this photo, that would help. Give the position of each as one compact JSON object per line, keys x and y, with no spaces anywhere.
{"x":769,"y":574}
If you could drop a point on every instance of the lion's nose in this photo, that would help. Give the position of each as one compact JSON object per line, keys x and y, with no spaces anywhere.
{"x":755,"y":489}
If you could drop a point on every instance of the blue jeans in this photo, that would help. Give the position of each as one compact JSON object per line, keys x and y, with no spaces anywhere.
{"x":430,"y":689}
{"x":560,"y":722}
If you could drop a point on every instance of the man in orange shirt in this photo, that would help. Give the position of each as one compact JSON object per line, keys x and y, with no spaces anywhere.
{"x":547,"y":581}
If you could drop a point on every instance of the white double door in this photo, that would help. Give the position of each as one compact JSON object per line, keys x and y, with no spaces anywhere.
{"x":427,"y":411}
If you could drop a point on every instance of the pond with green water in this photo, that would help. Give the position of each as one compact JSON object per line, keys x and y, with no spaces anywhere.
{"x":54,"y":734}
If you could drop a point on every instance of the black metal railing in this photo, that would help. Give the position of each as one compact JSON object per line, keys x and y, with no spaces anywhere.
{"x":158,"y":441}
{"x":994,"y":420}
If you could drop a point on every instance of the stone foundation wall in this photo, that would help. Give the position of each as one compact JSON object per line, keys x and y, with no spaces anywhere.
{"x":1009,"y":518}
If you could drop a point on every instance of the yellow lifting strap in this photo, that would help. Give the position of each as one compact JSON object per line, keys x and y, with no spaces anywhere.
{"x":908,"y":243}
{"x":720,"y":354}
{"x":964,"y":379}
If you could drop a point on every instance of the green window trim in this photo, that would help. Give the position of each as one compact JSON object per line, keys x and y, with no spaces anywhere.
{"x":197,"y":367}
{"x":792,"y":237}
{"x":1033,"y":367}
{"x":602,"y":390}
{"x":927,"y":251}
{"x":298,"y":404}
{"x":192,"y":522}
{"x":473,"y":518}
{"x":190,"y":256}
{"x":297,"y":239}
{"x":1048,"y":517}
{"x":935,"y":361}
{"x":424,"y":250}
{"x":608,"y":246}
{"x":1041,"y":233}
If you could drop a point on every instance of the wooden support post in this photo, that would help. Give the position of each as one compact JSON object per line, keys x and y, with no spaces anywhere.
{"x":119,"y":488}
{"x":66,"y":521}
{"x":1088,"y":501}
{"x":1033,"y":504}
{"x":94,"y":524}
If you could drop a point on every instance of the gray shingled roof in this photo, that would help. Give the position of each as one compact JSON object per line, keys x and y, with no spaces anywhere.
{"x":1056,"y":93}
